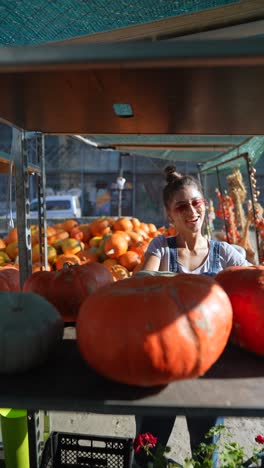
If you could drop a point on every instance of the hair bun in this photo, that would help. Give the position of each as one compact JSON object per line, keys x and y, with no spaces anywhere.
{"x":171,"y":174}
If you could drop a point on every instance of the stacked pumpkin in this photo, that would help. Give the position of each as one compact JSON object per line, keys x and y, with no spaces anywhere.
{"x":119,"y":244}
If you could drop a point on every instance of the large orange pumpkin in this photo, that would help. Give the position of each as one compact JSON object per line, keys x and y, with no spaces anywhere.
{"x":68,"y":287}
{"x":245,"y":288}
{"x":152,"y":330}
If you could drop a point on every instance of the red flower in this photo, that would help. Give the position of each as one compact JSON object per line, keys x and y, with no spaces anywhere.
{"x":259,"y":439}
{"x":145,"y":441}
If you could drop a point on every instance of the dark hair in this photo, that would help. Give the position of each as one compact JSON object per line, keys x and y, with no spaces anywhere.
{"x":175,"y":182}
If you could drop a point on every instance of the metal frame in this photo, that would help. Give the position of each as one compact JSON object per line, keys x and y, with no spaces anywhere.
{"x":19,"y":150}
{"x":247,"y":158}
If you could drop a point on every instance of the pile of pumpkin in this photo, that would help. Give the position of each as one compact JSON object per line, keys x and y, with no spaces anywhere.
{"x":119,"y":244}
{"x":149,"y":329}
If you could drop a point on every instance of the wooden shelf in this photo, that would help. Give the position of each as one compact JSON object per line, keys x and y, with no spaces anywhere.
{"x":183,"y":88}
{"x":232,"y":387}
{"x":5,"y":164}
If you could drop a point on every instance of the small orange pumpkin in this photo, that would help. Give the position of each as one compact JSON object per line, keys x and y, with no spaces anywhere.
{"x":115,"y":245}
{"x":119,"y":272}
{"x":87,"y":255}
{"x":130,"y":260}
{"x":99,"y":227}
{"x":123,"y":224}
{"x":69,"y":259}
{"x":69,"y":224}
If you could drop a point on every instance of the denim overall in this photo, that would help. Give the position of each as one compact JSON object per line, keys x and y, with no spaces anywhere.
{"x":162,"y":426}
{"x":213,"y":256}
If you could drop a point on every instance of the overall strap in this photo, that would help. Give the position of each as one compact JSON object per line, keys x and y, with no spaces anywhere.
{"x":214,"y":257}
{"x":173,"y":263}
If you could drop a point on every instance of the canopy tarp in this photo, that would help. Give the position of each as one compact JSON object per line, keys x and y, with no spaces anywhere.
{"x":41,"y":21}
{"x":207,"y":152}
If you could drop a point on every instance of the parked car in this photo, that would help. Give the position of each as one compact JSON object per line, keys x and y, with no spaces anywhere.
{"x":58,"y":206}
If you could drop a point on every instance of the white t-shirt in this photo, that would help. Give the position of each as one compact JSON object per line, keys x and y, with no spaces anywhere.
{"x":229,"y":256}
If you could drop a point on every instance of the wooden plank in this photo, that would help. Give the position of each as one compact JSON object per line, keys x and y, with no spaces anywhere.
{"x":216,"y":100}
{"x":233,"y":386}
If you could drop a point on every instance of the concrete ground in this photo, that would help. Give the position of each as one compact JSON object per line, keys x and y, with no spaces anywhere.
{"x":243,"y":430}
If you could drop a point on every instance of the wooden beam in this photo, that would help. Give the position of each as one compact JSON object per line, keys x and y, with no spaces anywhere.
{"x":211,"y":18}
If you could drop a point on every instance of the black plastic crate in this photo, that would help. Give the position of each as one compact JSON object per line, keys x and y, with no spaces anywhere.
{"x":66,"y":450}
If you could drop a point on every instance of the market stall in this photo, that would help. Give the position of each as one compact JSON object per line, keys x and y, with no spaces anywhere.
{"x":192,"y":89}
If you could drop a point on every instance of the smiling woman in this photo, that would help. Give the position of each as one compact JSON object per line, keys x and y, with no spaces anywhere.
{"x":187,"y":252}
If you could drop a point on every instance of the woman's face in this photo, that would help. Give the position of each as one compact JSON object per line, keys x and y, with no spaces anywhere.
{"x":187,"y":209}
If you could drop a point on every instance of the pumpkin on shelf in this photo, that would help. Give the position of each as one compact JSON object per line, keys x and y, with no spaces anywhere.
{"x":156,"y":329}
{"x":9,"y":278}
{"x":245,"y":288}
{"x":34,"y":328}
{"x":68,"y":287}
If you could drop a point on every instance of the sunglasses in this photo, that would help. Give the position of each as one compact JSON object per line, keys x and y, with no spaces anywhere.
{"x":196,"y":203}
